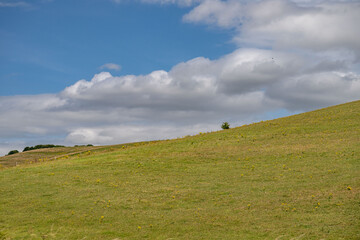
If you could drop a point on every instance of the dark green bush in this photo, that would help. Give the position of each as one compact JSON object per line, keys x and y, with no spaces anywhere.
{"x":13,"y":152}
{"x":225,"y":125}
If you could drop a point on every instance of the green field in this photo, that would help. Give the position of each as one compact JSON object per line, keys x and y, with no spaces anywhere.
{"x":291,"y":178}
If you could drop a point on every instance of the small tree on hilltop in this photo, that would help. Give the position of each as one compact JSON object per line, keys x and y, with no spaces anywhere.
{"x":13,"y":152}
{"x":225,"y":125}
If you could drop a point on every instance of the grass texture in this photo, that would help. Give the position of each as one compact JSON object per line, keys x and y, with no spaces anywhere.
{"x":291,"y":178}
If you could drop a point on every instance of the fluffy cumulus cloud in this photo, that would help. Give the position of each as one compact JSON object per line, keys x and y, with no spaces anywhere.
{"x":319,"y":89}
{"x":314,"y":25}
{"x":293,"y":56}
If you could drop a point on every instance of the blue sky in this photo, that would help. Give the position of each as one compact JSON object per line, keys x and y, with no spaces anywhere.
{"x":50,"y":45}
{"x":114,"y":71}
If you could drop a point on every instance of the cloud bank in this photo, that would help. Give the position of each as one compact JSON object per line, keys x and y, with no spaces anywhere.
{"x":293,"y":56}
{"x":312,"y":25}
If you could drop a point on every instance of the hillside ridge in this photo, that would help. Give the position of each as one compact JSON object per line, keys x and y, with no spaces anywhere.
{"x":41,"y":155}
{"x":296,"y":177}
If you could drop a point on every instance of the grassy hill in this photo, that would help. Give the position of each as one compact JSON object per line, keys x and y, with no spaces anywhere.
{"x":58,"y":153}
{"x":291,"y":178}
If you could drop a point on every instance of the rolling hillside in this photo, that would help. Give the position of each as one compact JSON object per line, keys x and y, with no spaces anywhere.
{"x":291,"y":178}
{"x":58,"y":153}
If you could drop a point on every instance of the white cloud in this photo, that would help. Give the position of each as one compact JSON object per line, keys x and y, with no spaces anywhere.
{"x":110,"y":66}
{"x":191,"y":86}
{"x":318,"y":89}
{"x":314,"y":25}
{"x":22,"y":4}
{"x":328,"y":26}
{"x":183,"y":3}
{"x":178,"y":2}
{"x":13,"y":4}
{"x":221,"y":13}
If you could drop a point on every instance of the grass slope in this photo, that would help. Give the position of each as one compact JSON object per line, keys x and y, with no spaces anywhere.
{"x":57,"y":153}
{"x":291,"y":178}
{"x":40,"y":155}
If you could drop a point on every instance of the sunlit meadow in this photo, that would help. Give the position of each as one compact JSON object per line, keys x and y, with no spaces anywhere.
{"x":291,"y":178}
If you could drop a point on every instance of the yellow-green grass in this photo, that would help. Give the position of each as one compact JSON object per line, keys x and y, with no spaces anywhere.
{"x":292,"y":178}
{"x":58,"y":153}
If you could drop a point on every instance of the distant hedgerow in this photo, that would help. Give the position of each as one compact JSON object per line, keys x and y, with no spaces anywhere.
{"x":41,"y":146}
{"x":89,"y":145}
{"x":225,"y":125}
